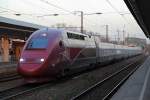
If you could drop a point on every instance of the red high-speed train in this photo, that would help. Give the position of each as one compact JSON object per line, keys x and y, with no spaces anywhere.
{"x":49,"y":53}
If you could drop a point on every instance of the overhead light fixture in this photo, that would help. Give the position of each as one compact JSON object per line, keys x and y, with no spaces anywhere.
{"x":17,"y":14}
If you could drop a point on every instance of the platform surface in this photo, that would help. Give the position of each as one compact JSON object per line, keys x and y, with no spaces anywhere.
{"x":137,"y":87}
{"x":5,"y":65}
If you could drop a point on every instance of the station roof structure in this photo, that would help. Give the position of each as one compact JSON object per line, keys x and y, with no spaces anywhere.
{"x":17,"y":28}
{"x":140,"y":11}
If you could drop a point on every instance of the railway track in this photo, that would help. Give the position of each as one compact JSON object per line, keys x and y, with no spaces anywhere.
{"x":20,"y":90}
{"x":103,"y":86}
{"x":26,"y":88}
{"x":10,"y":77}
{"x":11,"y":93}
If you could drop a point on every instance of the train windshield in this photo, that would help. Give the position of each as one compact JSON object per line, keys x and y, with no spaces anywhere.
{"x":37,"y":43}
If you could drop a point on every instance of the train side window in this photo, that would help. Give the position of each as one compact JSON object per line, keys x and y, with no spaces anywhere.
{"x":75,"y":36}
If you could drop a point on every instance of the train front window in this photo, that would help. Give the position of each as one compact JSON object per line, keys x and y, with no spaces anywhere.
{"x":38,"y":43}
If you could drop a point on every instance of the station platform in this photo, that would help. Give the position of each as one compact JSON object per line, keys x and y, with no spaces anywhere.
{"x":7,"y":68}
{"x":4,"y":65}
{"x":137,"y":87}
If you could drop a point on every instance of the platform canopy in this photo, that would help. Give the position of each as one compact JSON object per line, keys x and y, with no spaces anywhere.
{"x":140,"y":9}
{"x":15,"y":28}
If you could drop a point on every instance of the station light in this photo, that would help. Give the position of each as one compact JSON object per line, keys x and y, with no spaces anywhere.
{"x":17,"y":14}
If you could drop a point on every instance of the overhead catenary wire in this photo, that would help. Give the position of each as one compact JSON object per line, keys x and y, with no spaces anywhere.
{"x":9,"y":10}
{"x":53,"y":5}
{"x":121,"y":14}
{"x":17,"y":13}
{"x":56,"y":6}
{"x":14,"y":12}
{"x":3,"y":11}
{"x":28,"y":2}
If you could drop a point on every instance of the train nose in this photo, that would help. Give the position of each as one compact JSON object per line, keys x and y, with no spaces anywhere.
{"x":32,"y":60}
{"x":30,"y":66}
{"x":28,"y":69}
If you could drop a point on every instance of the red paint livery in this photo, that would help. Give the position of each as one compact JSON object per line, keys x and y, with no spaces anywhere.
{"x":38,"y":61}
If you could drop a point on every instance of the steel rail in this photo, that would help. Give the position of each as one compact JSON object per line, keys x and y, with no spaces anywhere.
{"x":9,"y":78}
{"x":25,"y":90}
{"x":22,"y":90}
{"x":101,"y":82}
{"x":110,"y":94}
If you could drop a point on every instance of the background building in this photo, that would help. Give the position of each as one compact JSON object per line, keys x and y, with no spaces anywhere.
{"x":13,"y":34}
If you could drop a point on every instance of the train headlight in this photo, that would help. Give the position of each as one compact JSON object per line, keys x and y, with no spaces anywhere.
{"x":42,"y":60}
{"x":21,"y":60}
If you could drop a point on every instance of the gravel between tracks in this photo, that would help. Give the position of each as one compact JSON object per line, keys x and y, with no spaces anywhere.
{"x":66,"y":90}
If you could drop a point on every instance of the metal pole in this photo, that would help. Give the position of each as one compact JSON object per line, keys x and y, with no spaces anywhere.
{"x":107,"y":33}
{"x":123,"y":37}
{"x":123,"y":34}
{"x":118,"y":36}
{"x":81,"y":21}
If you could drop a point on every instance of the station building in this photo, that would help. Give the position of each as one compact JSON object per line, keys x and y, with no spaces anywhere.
{"x":13,"y":35}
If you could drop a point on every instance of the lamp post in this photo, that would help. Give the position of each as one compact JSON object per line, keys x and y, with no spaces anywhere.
{"x":81,"y":21}
{"x":82,"y":14}
{"x":107,"y":32}
{"x":107,"y":38}
{"x":49,"y":15}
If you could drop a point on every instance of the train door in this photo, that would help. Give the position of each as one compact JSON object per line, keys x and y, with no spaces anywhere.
{"x":65,"y":53}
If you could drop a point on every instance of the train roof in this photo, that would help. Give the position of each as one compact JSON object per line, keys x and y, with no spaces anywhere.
{"x":60,"y":30}
{"x":101,"y":44}
{"x":76,"y":33}
{"x":111,"y":45}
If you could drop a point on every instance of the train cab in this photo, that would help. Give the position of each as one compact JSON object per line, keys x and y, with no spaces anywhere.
{"x":40,"y":53}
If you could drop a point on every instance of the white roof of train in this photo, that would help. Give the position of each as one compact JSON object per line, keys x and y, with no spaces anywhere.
{"x":76,"y":33}
{"x":110,"y":45}
{"x":104,"y":44}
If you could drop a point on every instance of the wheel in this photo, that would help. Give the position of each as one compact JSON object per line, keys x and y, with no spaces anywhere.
{"x":62,"y":73}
